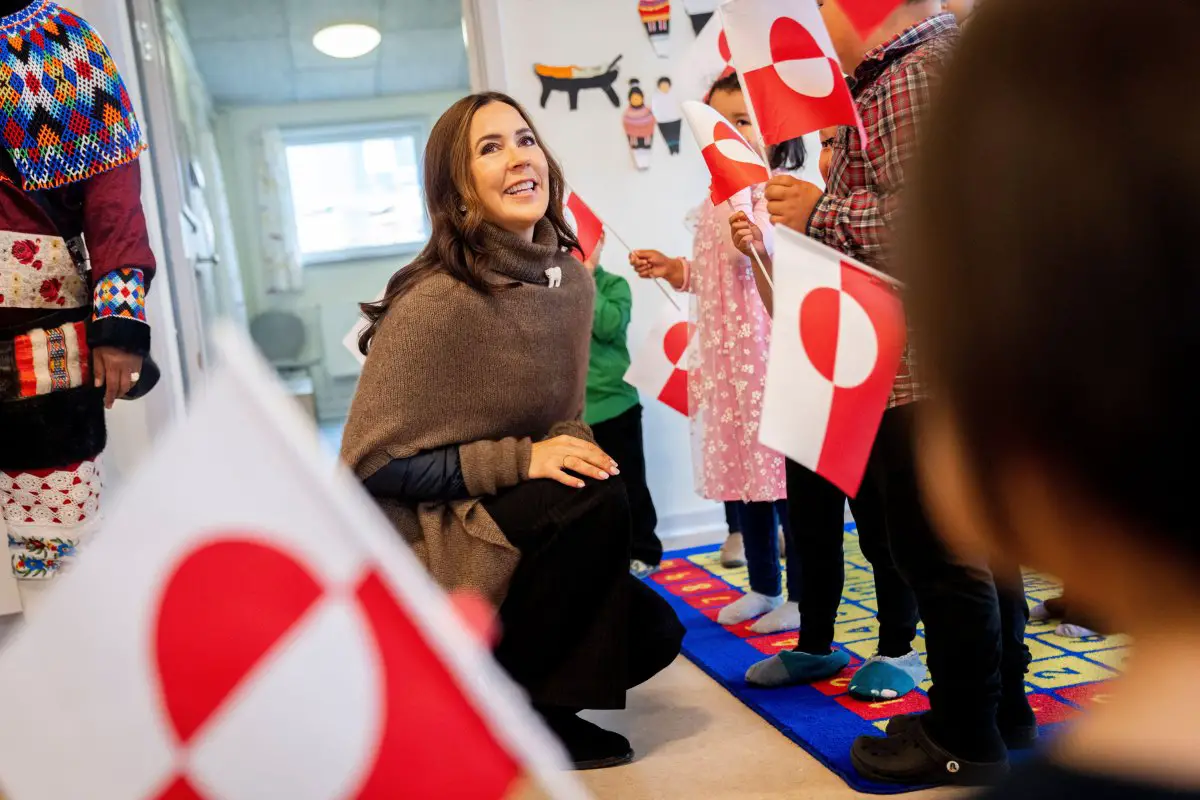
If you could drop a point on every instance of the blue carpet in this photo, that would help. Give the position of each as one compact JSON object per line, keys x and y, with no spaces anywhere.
{"x":1067,"y":674}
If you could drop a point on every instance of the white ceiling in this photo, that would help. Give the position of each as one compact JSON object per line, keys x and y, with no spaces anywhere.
{"x":259,"y":52}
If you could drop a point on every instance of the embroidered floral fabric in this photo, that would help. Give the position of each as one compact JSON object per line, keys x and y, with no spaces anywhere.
{"x":46,"y":514}
{"x":727,"y":366}
{"x":38,"y":272}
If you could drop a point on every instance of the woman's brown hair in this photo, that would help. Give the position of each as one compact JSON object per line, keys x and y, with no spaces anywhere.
{"x":456,"y":240}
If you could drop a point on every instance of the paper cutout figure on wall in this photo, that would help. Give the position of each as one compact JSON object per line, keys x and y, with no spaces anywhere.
{"x":639,"y":126}
{"x":700,"y":12}
{"x":665,"y":106}
{"x":706,"y":60}
{"x":573,"y":80}
{"x":656,"y":16}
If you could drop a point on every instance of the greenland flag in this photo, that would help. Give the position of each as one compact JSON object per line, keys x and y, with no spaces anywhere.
{"x":659,"y":368}
{"x":836,"y":342}
{"x":788,"y":67}
{"x":248,"y":625}
{"x":731,"y":161}
{"x":706,"y":60}
{"x":586,"y":224}
{"x":867,"y":15}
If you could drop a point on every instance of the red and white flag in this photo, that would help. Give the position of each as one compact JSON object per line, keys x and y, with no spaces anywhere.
{"x":788,"y":67}
{"x":587,"y":225}
{"x":248,"y":625}
{"x":706,"y":60}
{"x":731,"y":160}
{"x":659,"y":367}
{"x":867,"y":15}
{"x":836,"y":341}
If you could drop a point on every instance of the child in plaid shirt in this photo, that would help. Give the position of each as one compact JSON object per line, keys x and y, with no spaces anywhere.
{"x":974,"y":623}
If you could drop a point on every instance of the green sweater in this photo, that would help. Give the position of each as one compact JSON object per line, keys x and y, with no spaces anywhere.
{"x":608,"y":395}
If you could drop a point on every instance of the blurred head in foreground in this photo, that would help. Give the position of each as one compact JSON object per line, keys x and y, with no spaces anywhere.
{"x":1055,"y":284}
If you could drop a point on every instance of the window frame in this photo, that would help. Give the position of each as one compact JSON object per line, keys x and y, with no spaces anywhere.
{"x":417,"y":127}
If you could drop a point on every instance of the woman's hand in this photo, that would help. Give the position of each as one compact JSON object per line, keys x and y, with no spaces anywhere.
{"x":593,"y":260}
{"x":114,"y":369}
{"x":552,"y":458}
{"x":653,"y":264}
{"x":745,"y":234}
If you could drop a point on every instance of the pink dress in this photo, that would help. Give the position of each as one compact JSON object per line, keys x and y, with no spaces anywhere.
{"x":727,"y":365}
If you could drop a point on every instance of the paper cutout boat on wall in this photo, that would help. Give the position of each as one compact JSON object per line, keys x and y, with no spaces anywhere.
{"x":573,"y":80}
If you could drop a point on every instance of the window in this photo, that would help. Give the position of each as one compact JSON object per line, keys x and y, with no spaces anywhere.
{"x":356,"y":192}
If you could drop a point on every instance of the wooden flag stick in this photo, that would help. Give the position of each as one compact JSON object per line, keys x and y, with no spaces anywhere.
{"x":754,"y":250}
{"x":657,"y":281}
{"x":761,"y":268}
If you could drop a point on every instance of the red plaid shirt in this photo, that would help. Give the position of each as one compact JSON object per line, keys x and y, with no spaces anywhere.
{"x":891,"y":89}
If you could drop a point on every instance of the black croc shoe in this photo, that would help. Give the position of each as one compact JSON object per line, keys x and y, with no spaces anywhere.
{"x":1016,"y":737}
{"x":589,"y":745}
{"x":911,"y":758}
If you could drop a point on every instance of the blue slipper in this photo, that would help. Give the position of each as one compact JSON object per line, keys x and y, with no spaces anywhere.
{"x":790,"y":668}
{"x":887,"y":678}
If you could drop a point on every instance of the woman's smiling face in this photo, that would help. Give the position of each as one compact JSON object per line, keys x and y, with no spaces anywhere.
{"x":509,"y":169}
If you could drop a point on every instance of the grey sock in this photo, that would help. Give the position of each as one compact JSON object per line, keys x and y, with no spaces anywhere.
{"x":771,"y":672}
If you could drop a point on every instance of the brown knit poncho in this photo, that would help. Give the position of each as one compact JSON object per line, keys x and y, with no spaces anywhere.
{"x":492,"y":374}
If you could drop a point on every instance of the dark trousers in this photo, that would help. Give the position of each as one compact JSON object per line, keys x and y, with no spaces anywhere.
{"x":817,"y":510}
{"x":621,"y":438}
{"x":974,"y":621}
{"x":577,"y":629}
{"x":732,"y":523}
{"x":759,"y":526}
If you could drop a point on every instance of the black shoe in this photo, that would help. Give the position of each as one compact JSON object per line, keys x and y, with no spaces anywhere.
{"x":1018,"y":728}
{"x":1016,"y":736}
{"x":911,"y":758}
{"x":589,"y":746}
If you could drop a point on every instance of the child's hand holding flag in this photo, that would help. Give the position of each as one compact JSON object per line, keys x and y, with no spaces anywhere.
{"x":748,"y":239}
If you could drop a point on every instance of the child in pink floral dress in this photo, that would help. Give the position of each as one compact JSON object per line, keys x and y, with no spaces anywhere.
{"x":727,"y":372}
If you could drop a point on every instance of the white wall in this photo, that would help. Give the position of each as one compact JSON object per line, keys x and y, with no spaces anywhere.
{"x":646,"y":209}
{"x":335,"y":289}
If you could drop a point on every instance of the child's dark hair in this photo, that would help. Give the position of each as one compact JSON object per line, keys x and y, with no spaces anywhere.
{"x":789,"y":155}
{"x":635,"y":88}
{"x":1065,"y":335}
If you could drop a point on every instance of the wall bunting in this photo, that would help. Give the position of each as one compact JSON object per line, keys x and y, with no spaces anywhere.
{"x":656,"y":16}
{"x":700,"y":12}
{"x":573,"y":80}
{"x":665,"y":106}
{"x":639,"y":126}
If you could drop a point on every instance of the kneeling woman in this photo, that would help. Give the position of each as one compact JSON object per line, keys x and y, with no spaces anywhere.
{"x":466,"y":427}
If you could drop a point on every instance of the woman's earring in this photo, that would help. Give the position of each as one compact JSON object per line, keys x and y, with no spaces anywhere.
{"x":463,"y":209}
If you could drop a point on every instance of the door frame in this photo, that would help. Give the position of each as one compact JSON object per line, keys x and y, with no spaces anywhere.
{"x":485,"y":57}
{"x":161,"y":129}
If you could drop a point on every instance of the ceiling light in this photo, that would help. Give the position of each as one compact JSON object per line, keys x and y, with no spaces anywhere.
{"x":347,"y":41}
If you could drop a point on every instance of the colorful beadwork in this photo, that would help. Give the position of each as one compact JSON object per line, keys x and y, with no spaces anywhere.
{"x":43,"y":361}
{"x":122,"y":293}
{"x":65,"y":114}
